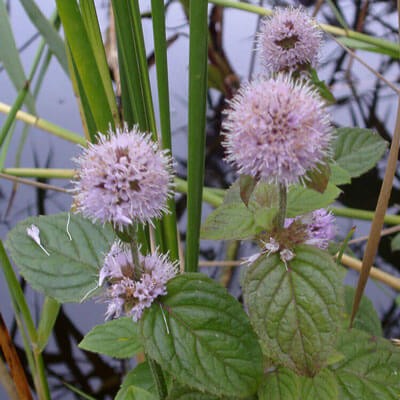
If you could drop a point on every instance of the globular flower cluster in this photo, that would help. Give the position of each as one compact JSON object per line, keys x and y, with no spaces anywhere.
{"x":276,"y":130}
{"x":315,"y":228}
{"x":123,"y":178}
{"x":127,"y":295}
{"x":289,"y":41}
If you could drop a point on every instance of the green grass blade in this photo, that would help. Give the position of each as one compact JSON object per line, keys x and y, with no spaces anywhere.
{"x":197,"y":120}
{"x":48,"y":32}
{"x":9,"y":56}
{"x":160,"y":49}
{"x":86,"y":66}
{"x":92,"y":26}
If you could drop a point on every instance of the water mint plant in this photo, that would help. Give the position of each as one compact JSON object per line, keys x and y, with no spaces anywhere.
{"x":289,"y":336}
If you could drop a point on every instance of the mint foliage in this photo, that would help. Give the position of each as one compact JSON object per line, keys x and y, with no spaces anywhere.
{"x":366,"y":318}
{"x":370,"y":369}
{"x":138,"y":381}
{"x":322,"y":387}
{"x":357,"y":150}
{"x":118,"y":338}
{"x":70,"y":272}
{"x":280,"y":384}
{"x":295,"y":309}
{"x":201,"y":335}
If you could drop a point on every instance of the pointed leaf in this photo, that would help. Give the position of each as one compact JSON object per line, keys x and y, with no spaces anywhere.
{"x":228,"y":222}
{"x":198,"y":327}
{"x":70,"y":272}
{"x":281,"y":384}
{"x":247,"y":184}
{"x":358,"y":150}
{"x":318,"y":177}
{"x":302,"y":200}
{"x":339,"y":176}
{"x":395,"y":243}
{"x":134,"y":393}
{"x":322,"y":387}
{"x":371,"y":369}
{"x":295,"y":311}
{"x":118,"y":338}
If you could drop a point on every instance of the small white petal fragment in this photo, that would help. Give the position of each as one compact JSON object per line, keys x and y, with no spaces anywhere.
{"x":68,"y":221}
{"x":33,"y":232}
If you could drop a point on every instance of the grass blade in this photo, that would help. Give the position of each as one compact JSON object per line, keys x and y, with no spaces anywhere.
{"x":196,"y":127}
{"x":86,"y":65}
{"x":9,"y":56}
{"x":48,"y":32}
{"x":160,"y":50}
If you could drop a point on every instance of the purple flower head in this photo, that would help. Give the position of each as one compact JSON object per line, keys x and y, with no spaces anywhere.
{"x":122,"y":178}
{"x":289,"y":41}
{"x":124,"y":294}
{"x":318,"y":227}
{"x":277,"y":130}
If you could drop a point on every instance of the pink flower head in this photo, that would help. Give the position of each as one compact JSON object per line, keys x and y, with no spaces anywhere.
{"x":318,"y":227}
{"x":125,"y":295}
{"x":122,"y":178}
{"x":289,"y":41}
{"x":277,"y":130}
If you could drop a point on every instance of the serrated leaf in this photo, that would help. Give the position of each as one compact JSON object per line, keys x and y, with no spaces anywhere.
{"x":322,"y":387}
{"x":247,"y":184}
{"x":199,"y":327}
{"x":70,"y":273}
{"x":395,"y":243}
{"x":318,"y":178}
{"x":366,"y":318}
{"x":229,"y":222}
{"x":371,"y":369}
{"x":302,"y":200}
{"x":339,"y":176}
{"x":118,"y":338}
{"x":281,"y":384}
{"x":358,"y":150}
{"x":295,"y":311}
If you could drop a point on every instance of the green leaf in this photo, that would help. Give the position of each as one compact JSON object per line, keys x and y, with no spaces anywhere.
{"x":318,"y":177}
{"x":357,"y":150}
{"x":118,"y":338}
{"x":264,"y":218}
{"x":302,"y":200}
{"x":371,"y":369}
{"x":140,"y":378}
{"x":366,"y":318}
{"x":134,"y":393}
{"x":281,"y":384}
{"x":357,"y":44}
{"x":321,"y":86}
{"x":339,"y":176}
{"x":198,"y":327}
{"x":322,"y":387}
{"x":184,"y":393}
{"x":247,"y":184}
{"x":70,"y":273}
{"x":395,"y":243}
{"x":229,"y":222}
{"x":295,"y":310}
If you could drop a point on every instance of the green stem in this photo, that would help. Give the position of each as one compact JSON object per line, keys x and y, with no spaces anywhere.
{"x":363,"y":215}
{"x":159,"y":380}
{"x":134,"y":245}
{"x":392,"y":47}
{"x":280,"y":218}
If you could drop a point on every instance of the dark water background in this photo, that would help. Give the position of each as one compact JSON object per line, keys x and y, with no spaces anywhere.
{"x":362,"y":101}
